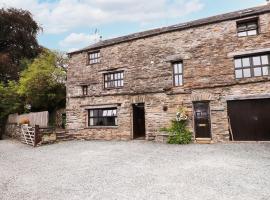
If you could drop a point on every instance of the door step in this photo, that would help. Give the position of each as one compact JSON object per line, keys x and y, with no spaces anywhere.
{"x":204,"y":141}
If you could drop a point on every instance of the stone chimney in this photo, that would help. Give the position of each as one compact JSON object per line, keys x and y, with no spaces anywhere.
{"x":268,"y":2}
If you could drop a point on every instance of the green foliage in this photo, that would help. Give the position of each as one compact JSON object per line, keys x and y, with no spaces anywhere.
{"x":178,"y":132}
{"x":10,"y":101}
{"x":18,"y":40}
{"x":42,"y":84}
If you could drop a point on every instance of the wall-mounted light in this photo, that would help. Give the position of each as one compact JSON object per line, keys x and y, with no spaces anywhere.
{"x":165,"y":108}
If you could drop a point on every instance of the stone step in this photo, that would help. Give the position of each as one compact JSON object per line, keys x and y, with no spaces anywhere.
{"x":204,"y":141}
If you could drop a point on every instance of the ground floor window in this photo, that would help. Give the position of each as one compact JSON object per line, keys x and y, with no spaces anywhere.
{"x":102,"y":117}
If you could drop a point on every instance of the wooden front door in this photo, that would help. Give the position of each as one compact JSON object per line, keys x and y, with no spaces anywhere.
{"x":138,"y":121}
{"x":250,"y":119}
{"x":202,"y":120}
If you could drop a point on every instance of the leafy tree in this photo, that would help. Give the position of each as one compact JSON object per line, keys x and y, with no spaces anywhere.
{"x":10,"y":102}
{"x":18,"y":41}
{"x":42,"y":84}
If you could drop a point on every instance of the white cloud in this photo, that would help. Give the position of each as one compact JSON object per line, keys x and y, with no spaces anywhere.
{"x":75,"y":41}
{"x":64,"y":15}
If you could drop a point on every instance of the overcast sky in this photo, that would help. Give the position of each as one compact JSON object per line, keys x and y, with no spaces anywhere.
{"x":71,"y":24}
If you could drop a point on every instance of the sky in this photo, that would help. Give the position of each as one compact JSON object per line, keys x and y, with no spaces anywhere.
{"x":70,"y":25}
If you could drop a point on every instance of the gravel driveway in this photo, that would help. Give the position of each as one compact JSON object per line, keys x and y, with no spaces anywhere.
{"x":134,"y":170}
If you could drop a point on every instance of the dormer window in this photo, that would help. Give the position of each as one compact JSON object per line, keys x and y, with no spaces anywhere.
{"x":94,"y":57}
{"x":247,"y":28}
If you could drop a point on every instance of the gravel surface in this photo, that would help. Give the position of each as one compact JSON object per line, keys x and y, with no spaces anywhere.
{"x":134,"y":170}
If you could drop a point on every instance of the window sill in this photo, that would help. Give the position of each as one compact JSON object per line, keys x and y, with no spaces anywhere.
{"x":117,"y":88}
{"x":88,"y":64}
{"x":248,"y":36}
{"x":102,"y":127}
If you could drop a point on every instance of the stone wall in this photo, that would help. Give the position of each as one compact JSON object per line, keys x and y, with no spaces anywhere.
{"x":206,"y":53}
{"x":13,"y":131}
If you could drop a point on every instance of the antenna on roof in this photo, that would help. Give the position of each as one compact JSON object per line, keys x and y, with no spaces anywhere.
{"x":98,"y":36}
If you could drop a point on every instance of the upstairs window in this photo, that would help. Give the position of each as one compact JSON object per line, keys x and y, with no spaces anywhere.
{"x":247,"y":28}
{"x":114,"y":80}
{"x":94,"y":57}
{"x":252,"y":66}
{"x":85,"y":90}
{"x":102,"y":117}
{"x":178,"y":73}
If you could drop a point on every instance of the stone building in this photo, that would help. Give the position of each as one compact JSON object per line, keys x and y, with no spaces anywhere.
{"x":217,"y":68}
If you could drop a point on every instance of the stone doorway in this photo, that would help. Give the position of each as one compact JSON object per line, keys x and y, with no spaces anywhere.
{"x":138,"y":121}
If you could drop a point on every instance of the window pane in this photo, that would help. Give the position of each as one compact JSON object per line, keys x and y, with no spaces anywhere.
{"x":180,"y":68}
{"x":91,"y":122}
{"x":242,"y":34}
{"x":91,"y":113}
{"x":176,"y":69}
{"x":253,"y":32}
{"x":265,"y":60}
{"x":265,"y":71}
{"x":176,"y":80}
{"x":180,"y":80}
{"x":95,"y":113}
{"x":257,"y":60}
{"x":238,"y":63}
{"x":238,"y":73}
{"x":258,"y":71}
{"x":242,"y":27}
{"x":109,"y":113}
{"x":105,"y":113}
{"x":247,"y":73}
{"x":252,"y":25}
{"x":246,"y":62}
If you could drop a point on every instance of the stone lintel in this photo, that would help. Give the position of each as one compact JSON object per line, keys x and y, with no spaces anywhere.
{"x":242,"y":53}
{"x":247,"y":97}
{"x":100,"y":106}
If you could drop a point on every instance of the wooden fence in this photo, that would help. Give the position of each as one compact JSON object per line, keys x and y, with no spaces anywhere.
{"x":39,"y":118}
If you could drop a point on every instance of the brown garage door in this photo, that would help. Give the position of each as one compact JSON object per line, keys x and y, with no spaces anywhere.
{"x":250,"y":119}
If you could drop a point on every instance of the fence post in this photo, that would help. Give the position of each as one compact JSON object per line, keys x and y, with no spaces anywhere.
{"x":36,"y":138}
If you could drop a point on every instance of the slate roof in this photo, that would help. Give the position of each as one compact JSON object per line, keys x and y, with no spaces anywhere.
{"x":201,"y":22}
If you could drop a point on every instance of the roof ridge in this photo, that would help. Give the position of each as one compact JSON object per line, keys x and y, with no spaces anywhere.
{"x":181,"y":26}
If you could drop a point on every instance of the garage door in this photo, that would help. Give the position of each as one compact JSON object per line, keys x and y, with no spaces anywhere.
{"x":250,"y":119}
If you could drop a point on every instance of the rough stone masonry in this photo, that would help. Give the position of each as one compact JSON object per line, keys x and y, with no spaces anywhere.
{"x":207,"y":48}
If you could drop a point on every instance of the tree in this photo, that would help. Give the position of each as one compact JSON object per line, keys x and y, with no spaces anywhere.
{"x":42,"y":84}
{"x":10,"y":102}
{"x":18,"y":41}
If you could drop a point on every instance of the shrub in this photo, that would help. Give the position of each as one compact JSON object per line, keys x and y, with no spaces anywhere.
{"x":178,"y":132}
{"x":24,"y":121}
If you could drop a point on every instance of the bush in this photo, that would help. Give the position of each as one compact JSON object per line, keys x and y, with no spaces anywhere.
{"x":24,"y":121}
{"x":178,"y":132}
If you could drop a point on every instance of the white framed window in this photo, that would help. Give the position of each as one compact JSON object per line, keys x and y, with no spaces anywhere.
{"x":248,"y":28}
{"x":114,"y":80}
{"x":94,"y":57}
{"x":177,"y":73}
{"x":252,"y":66}
{"x":102,"y":117}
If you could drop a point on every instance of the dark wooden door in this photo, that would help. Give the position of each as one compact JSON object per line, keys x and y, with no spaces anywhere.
{"x":138,"y":121}
{"x":250,"y":119}
{"x":202,"y":120}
